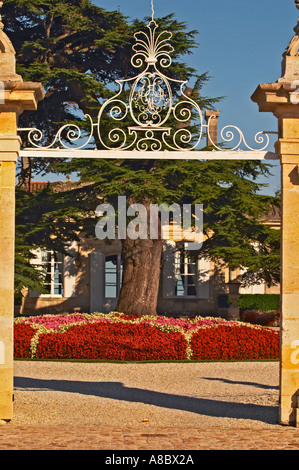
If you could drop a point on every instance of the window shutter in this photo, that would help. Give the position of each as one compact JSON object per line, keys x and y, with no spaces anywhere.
{"x":69,"y":272}
{"x":169,"y":270}
{"x":96,"y":281}
{"x":203,"y":279}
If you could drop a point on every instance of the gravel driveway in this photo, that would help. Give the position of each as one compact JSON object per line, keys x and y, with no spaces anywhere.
{"x":174,"y":394}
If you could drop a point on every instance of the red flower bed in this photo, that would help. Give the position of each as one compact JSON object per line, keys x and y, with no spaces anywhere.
{"x":123,"y":338}
{"x":123,"y":342}
{"x":22,"y":338}
{"x":236,"y":343}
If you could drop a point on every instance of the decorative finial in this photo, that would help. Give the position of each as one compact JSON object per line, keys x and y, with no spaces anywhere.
{"x":293,"y":47}
{"x":153,"y":11}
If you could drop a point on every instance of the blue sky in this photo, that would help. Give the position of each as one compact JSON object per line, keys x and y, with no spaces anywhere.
{"x":240,"y":45}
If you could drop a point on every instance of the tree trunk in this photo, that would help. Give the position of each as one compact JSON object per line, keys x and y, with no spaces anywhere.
{"x":141,"y":275}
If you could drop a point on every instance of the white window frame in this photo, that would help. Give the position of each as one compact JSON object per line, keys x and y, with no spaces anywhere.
{"x":52,"y":273}
{"x":202,"y":276}
{"x":187,"y":275}
{"x":118,"y":275}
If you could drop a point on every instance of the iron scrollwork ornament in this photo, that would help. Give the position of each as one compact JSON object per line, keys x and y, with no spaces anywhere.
{"x":156,"y":121}
{"x":143,"y":114}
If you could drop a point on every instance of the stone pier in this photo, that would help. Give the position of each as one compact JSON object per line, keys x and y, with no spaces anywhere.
{"x":282,"y":99}
{"x":16,"y":96}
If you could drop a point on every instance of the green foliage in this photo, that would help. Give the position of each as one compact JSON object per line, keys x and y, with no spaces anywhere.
{"x":233,"y":220}
{"x":43,"y":220}
{"x":259,"y":302}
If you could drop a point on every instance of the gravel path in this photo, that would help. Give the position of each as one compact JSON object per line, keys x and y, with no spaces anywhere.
{"x":234,"y":395}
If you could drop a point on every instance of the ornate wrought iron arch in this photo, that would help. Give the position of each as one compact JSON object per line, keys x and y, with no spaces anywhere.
{"x":146,"y":119}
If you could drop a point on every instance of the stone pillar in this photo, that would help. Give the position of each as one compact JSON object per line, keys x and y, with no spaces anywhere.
{"x":8,"y":154}
{"x":282,"y":100}
{"x":211,"y":118}
{"x":234,"y":284}
{"x":233,"y":311}
{"x":288,"y":149}
{"x":15,"y":97}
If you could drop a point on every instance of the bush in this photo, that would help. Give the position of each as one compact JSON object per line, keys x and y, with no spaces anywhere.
{"x":259,"y":302}
{"x":261,"y":318}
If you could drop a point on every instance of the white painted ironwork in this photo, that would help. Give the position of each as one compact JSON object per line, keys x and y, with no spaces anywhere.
{"x":143,"y":114}
{"x":145,"y":155}
{"x":230,"y":132}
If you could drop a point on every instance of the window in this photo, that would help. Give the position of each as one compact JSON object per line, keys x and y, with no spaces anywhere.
{"x":113,"y":276}
{"x":254,"y":288}
{"x":53,"y":266}
{"x":185,"y":275}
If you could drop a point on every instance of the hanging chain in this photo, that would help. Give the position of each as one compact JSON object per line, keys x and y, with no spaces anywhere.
{"x":153,"y":11}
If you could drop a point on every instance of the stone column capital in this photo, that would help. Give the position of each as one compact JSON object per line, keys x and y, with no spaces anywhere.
{"x":214,"y":114}
{"x":21,"y":96}
{"x":277,"y":98}
{"x":9,"y":148}
{"x":288,"y":149}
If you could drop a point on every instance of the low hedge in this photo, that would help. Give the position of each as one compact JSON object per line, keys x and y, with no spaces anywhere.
{"x":259,"y":302}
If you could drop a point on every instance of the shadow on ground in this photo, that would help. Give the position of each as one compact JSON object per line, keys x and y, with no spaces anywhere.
{"x":117,"y":391}
{"x":251,"y":384}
